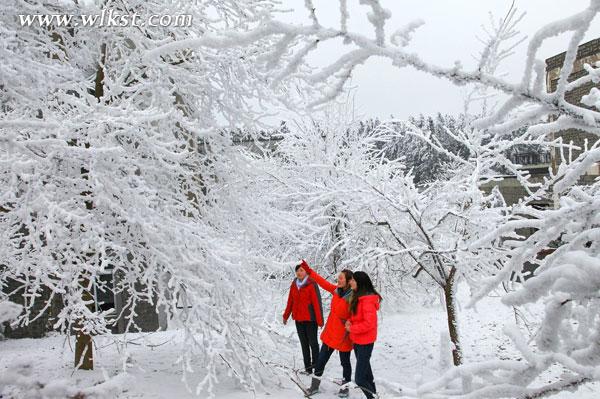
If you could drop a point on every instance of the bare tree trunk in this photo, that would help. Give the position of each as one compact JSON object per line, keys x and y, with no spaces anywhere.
{"x":452,"y":321}
{"x":84,"y":350}
{"x":336,"y":235}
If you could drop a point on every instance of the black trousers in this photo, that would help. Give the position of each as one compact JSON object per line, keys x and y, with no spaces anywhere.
{"x":324,"y":356}
{"x":364,"y":375}
{"x":307,"y":332}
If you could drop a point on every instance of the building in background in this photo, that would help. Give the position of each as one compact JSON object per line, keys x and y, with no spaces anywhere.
{"x":587,"y":53}
{"x":538,"y":163}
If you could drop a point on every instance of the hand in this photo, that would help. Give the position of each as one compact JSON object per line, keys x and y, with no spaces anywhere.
{"x":284,"y":321}
{"x":348,"y":325}
{"x":305,"y":266}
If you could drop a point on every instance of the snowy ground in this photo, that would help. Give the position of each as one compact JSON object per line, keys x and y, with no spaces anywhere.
{"x":407,"y":352}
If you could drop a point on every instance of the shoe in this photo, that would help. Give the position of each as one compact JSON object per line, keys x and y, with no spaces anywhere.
{"x":344,"y":392}
{"x":314,"y":386}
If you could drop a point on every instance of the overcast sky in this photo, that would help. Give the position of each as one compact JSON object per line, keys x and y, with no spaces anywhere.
{"x":449,"y":34}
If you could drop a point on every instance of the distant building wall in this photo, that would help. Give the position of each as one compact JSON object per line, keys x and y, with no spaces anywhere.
{"x":43,"y":322}
{"x":146,"y":316}
{"x":587,"y":53}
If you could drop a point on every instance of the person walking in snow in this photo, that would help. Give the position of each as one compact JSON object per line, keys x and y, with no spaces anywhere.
{"x":334,"y":336}
{"x":304,"y":305}
{"x":362,"y":327}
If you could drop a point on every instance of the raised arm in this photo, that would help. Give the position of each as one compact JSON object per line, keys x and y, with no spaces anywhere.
{"x":326,"y":285}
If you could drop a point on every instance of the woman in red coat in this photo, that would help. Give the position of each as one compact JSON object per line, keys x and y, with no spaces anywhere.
{"x":362,"y":327}
{"x":334,"y":335}
{"x":304,"y":305}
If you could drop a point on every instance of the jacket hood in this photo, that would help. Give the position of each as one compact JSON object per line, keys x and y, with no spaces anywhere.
{"x":370,"y":299}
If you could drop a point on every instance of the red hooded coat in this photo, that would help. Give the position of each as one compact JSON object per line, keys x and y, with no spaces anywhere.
{"x":363,"y":329}
{"x":304,"y":304}
{"x":334,"y":334}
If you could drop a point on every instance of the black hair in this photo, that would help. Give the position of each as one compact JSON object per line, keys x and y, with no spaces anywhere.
{"x":364,"y":286}
{"x":298,"y":266}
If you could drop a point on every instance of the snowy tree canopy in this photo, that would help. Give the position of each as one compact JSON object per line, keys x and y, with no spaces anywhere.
{"x":115,"y":163}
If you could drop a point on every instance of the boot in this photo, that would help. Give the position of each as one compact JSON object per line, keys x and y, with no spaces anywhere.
{"x":314,"y":386}
{"x":344,"y":392}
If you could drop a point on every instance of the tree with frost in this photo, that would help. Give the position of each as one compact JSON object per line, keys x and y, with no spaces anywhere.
{"x":567,"y":277}
{"x":356,"y":208}
{"x":64,"y":221}
{"x":113,"y":162}
{"x":398,"y":230}
{"x":307,"y":178}
{"x":426,"y":163}
{"x":564,"y":242}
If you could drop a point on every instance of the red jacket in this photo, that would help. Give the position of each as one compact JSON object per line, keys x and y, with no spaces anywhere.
{"x":363,"y":329}
{"x":304,"y":304}
{"x":334,"y":334}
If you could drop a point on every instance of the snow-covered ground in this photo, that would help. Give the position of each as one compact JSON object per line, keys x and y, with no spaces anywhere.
{"x":407,"y":353}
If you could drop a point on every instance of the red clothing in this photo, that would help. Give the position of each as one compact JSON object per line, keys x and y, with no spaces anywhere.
{"x":304,"y":304}
{"x":334,"y":334}
{"x":363,"y":330}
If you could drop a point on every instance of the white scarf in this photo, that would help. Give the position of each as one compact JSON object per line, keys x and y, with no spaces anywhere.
{"x":300,"y":283}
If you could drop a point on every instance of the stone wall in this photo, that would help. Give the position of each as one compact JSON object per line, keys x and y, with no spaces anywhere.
{"x":145,"y":314}
{"x":44,"y":322}
{"x":587,"y":53}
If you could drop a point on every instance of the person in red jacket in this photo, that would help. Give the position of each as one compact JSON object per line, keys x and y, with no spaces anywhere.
{"x":304,"y":304}
{"x":334,"y":335}
{"x":362,"y":327}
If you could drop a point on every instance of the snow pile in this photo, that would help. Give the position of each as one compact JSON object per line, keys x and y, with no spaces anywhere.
{"x":9,"y":311}
{"x":22,"y":381}
{"x":592,"y":99}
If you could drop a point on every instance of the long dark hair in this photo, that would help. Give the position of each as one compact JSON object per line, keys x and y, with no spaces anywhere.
{"x":364,"y":286}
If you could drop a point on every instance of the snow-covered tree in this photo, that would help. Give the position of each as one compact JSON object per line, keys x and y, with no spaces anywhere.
{"x":427,"y":163}
{"x":308,"y":178}
{"x":353,"y":207}
{"x":113,"y":162}
{"x":117,"y":158}
{"x":528,"y":105}
{"x":566,"y":279}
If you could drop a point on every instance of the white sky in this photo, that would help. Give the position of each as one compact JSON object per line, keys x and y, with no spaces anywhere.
{"x":449,"y":34}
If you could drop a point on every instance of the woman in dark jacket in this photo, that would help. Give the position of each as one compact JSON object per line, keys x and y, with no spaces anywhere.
{"x":304,"y":304}
{"x":362,"y":327}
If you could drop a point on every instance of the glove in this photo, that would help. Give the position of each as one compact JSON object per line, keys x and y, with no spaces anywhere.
{"x":306,"y":267}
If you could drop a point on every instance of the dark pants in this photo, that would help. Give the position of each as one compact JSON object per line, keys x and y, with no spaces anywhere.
{"x":307,"y":332}
{"x":364,"y":375}
{"x":324,"y":356}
